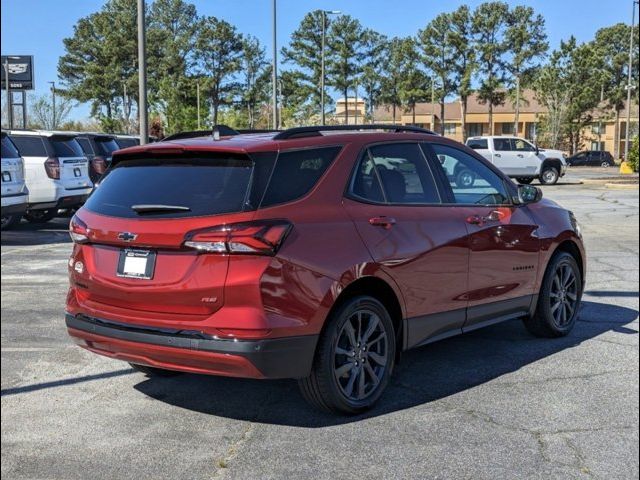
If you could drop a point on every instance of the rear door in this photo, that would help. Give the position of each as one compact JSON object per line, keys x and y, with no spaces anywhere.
{"x":12,"y":169}
{"x":396,"y":207}
{"x":504,"y":156}
{"x":138,"y":220}
{"x":74,"y":166}
{"x":504,"y":247}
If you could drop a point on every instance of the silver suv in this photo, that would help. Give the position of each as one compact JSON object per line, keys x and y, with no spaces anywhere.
{"x":520,"y":159}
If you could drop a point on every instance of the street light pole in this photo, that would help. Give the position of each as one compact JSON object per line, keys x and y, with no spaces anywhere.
{"x":274,"y":70}
{"x":9,"y":106}
{"x":630,"y":86}
{"x":53,"y":95}
{"x":142,"y":75}
{"x":324,"y":28}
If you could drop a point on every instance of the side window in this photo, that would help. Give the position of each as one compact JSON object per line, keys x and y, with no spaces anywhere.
{"x":29,"y":146}
{"x":478,"y":144}
{"x":522,"y":146}
{"x":472,"y":182}
{"x":296,"y":173}
{"x":8,"y":149}
{"x":396,"y":174}
{"x":502,"y":145}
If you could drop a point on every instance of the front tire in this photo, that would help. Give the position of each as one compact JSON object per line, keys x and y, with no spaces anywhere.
{"x":354,"y":358}
{"x":465,"y":178}
{"x":41,"y":216}
{"x":549,"y":176}
{"x":559,"y":299}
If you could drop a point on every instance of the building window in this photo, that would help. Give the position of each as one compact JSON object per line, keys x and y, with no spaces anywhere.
{"x":449,"y":128}
{"x":596,"y":128}
{"x":530,"y":133}
{"x":597,"y":146}
{"x":474,"y":129}
{"x":507,"y":128}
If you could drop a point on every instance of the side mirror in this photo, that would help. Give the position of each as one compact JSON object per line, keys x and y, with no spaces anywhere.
{"x":537,"y":149}
{"x":442,"y":159}
{"x":528,"y":194}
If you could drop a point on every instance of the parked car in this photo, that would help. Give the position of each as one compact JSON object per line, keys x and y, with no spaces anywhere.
{"x":314,"y":256}
{"x":56,"y":172}
{"x":594,"y":158}
{"x":520,"y":159}
{"x":14,"y":190}
{"x":98,"y":148}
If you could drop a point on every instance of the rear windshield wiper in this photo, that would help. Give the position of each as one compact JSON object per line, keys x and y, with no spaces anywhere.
{"x":153,"y":208}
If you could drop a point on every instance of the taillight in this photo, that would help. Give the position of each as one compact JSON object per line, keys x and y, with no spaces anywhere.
{"x":99,"y":165}
{"x":262,"y":237}
{"x":52,"y":167}
{"x":78,"y":230}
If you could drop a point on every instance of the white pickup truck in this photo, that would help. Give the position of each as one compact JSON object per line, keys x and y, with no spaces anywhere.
{"x":520,"y":159}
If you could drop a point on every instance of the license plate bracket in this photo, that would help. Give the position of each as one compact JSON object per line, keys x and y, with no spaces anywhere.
{"x":135,"y":263}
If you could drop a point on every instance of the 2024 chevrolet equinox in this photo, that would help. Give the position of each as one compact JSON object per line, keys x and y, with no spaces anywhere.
{"x":318,"y":254}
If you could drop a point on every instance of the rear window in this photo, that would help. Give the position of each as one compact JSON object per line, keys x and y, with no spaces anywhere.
{"x":296,"y":173}
{"x":29,"y":146}
{"x":478,"y":144}
{"x":127,"y":142}
{"x":66,"y":147}
{"x":8,"y":149}
{"x":85,"y":145}
{"x":205,"y":186}
{"x":106,"y":146}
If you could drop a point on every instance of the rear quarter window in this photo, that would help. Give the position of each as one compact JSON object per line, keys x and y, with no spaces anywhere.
{"x":29,"y":146}
{"x":106,"y":146}
{"x":296,"y":173}
{"x":85,"y":144}
{"x":8,"y":149}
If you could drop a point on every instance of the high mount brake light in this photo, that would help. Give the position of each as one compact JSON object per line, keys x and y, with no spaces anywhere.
{"x":52,"y":167}
{"x":78,"y":230}
{"x":262,"y":237}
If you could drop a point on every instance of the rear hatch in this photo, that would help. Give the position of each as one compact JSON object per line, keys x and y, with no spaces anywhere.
{"x":136,"y":224}
{"x":12,"y":169}
{"x":106,"y":146}
{"x":74,"y":166}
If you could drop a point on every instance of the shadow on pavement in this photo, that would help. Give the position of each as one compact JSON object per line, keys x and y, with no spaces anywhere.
{"x":424,"y":375}
{"x":29,"y":234}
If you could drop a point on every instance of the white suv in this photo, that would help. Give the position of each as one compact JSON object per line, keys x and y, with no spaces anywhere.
{"x":520,"y":159}
{"x":56,"y":170}
{"x":14,"y":190}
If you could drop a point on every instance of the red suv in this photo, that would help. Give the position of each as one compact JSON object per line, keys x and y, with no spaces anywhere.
{"x":315,"y":253}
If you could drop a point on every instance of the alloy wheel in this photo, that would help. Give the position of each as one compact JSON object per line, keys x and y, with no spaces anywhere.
{"x":563,"y":295}
{"x":361,"y":355}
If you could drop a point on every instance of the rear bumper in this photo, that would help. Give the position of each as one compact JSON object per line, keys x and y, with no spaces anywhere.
{"x":193,"y":351}
{"x":14,"y":205}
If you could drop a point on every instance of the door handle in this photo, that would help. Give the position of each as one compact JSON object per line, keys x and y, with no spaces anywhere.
{"x":382,"y":221}
{"x":494,"y":216}
{"x":520,"y":155}
{"x":497,"y":155}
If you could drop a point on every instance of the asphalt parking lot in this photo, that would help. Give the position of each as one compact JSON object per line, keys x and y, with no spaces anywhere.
{"x":496,"y":403}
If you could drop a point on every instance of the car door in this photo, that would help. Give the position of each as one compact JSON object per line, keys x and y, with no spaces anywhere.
{"x":503,"y":260}
{"x":504,"y":157}
{"x":526,"y":161}
{"x":397,"y":210}
{"x":579,"y":159}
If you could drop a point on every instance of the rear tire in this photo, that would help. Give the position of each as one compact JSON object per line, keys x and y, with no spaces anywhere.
{"x":465,"y":178}
{"x":153,"y":371}
{"x":354,"y":358}
{"x":10,"y":221}
{"x":549,"y":176}
{"x":524,"y":181}
{"x":559,"y":299}
{"x":41,"y":216}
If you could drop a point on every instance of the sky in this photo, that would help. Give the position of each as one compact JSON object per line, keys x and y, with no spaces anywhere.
{"x":37,"y":27}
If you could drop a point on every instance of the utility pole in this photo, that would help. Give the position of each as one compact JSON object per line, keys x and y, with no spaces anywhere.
{"x":9,"y":102}
{"x":274,"y":70}
{"x":630,"y":87}
{"x":142,"y":75}
{"x":198,"y":101}
{"x":324,"y":34}
{"x":433,"y":103}
{"x":54,"y":122}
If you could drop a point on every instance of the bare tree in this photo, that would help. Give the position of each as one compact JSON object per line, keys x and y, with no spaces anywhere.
{"x":41,"y":111}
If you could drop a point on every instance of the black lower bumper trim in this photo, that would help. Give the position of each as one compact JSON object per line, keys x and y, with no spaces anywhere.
{"x":18,"y":209}
{"x":288,"y":357}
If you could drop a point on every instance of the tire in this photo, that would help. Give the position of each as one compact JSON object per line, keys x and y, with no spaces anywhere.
{"x":41,"y":216}
{"x":549,"y":319}
{"x":335,"y":381}
{"x":605,"y":164}
{"x":524,"y":181}
{"x":10,"y":221}
{"x":465,"y":178}
{"x":549,"y":176}
{"x":153,"y":371}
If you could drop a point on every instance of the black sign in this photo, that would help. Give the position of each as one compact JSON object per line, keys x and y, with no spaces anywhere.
{"x":20,"y":69}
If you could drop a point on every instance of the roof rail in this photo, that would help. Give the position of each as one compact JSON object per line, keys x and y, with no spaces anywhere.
{"x":315,"y":131}
{"x":223,"y":129}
